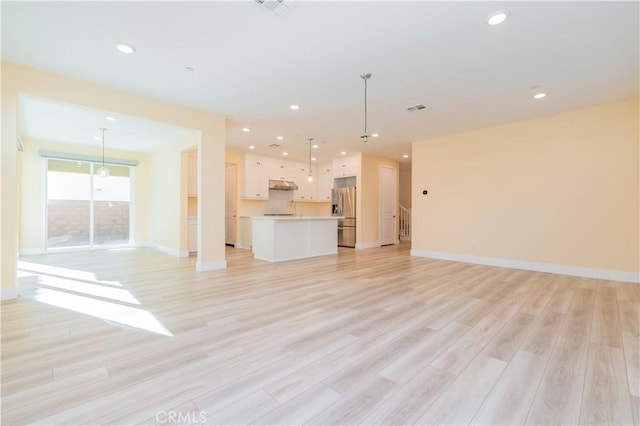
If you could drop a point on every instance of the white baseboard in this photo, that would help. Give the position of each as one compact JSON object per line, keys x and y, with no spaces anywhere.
{"x":360,"y":246}
{"x":8,"y":293}
{"x":605,"y":274}
{"x":170,"y":251}
{"x":210,"y":266}
{"x":30,"y":251}
{"x":242,"y":246}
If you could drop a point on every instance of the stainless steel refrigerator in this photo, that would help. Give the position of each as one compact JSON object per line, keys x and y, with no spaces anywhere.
{"x":343,"y":201}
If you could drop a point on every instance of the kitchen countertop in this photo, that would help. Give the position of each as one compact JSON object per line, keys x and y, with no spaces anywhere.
{"x":296,"y":217}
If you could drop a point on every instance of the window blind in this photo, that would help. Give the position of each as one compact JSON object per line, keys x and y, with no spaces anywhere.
{"x":90,"y":158}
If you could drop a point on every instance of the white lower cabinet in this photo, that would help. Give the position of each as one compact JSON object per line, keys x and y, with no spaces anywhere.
{"x":276,"y":239}
{"x":192,"y":235}
{"x":244,"y":240}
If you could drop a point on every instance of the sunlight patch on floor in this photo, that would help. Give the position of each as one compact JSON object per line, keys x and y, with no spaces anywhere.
{"x":63,"y":272}
{"x":118,"y":294}
{"x":82,"y":292}
{"x":113,"y":312}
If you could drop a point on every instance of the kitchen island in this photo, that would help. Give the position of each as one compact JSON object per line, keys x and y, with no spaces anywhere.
{"x":278,"y":238}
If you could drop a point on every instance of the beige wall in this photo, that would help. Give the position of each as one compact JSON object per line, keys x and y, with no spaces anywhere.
{"x":31,"y":196}
{"x":193,"y":206}
{"x":8,"y":188}
{"x":18,"y":80}
{"x":405,"y":188}
{"x":168,"y":194}
{"x":560,"y":190}
{"x":368,"y":198}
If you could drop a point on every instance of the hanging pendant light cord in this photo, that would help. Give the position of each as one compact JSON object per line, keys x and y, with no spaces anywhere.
{"x":365,"y":77}
{"x":103,"y":129}
{"x":103,"y":171}
{"x":365,"y":106}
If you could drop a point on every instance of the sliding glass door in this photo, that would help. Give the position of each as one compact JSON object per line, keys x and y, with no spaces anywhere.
{"x":111,"y":207}
{"x":84,"y":209}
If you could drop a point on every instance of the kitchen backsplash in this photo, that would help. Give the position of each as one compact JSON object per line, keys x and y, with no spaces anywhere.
{"x":279,"y":202}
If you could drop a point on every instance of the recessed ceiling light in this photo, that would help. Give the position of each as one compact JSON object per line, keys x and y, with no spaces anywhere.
{"x":539,"y":95}
{"x":246,"y":129}
{"x":285,"y":153}
{"x":98,"y":138}
{"x":343,"y":153}
{"x":405,"y":156}
{"x":315,"y":146}
{"x":252,"y":147}
{"x":313,"y":158}
{"x":125,"y":48}
{"x":280,"y":138}
{"x":374,"y":135}
{"x":497,"y":18}
{"x":295,"y":107}
{"x":111,"y":118}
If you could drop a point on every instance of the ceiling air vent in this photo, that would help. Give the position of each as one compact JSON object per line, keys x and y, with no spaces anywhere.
{"x":416,"y":108}
{"x":277,"y":7}
{"x":274,"y":145}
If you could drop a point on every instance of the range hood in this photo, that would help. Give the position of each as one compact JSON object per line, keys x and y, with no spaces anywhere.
{"x":282,"y":185}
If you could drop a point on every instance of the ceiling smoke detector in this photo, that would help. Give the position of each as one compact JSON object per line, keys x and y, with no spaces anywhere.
{"x":416,"y":108}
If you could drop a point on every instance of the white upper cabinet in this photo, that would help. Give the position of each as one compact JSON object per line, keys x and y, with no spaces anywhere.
{"x":306,"y":190}
{"x":280,"y":169}
{"x":346,"y":166}
{"x":255,"y":182}
{"x":258,"y":170}
{"x":325,"y":182}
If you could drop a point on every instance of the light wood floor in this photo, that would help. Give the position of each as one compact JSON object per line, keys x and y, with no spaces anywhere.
{"x":365,"y":337}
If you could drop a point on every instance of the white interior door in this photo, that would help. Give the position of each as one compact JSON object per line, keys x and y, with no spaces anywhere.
{"x":230,"y":204}
{"x":387,"y":206}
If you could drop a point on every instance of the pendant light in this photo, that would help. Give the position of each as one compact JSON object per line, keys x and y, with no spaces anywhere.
{"x":102,"y":170}
{"x":365,"y":135}
{"x":310,"y":176}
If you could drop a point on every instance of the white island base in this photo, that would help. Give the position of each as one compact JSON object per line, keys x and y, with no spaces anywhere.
{"x":279,"y":238}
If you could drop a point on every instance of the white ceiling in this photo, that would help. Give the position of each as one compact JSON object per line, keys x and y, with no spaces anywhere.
{"x":250,"y":65}
{"x":56,"y":122}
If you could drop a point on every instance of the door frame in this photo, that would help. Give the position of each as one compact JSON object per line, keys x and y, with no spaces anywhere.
{"x":234,"y":196}
{"x":396,"y":238}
